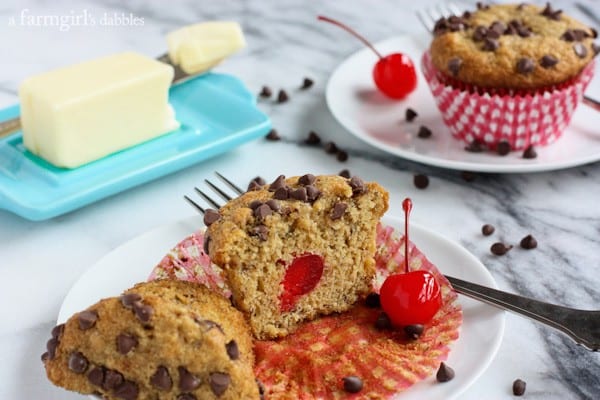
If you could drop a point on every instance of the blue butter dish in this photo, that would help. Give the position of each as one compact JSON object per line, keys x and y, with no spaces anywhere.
{"x":216,"y":111}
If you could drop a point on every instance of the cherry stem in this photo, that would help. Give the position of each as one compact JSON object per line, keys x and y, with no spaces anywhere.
{"x":352,"y":32}
{"x":406,"y":206}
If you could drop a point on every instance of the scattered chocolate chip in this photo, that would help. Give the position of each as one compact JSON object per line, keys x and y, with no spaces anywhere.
{"x":299,"y":194}
{"x":444,"y":373}
{"x":143,"y":312}
{"x":523,"y":31}
{"x":466,"y":14}
{"x":503,"y":148}
{"x":261,"y":231}
{"x":307,"y":179}
{"x":410,"y":115}
{"x":125,"y":343}
{"x":219,"y":382}
{"x":373,"y":300}
{"x":87,"y":319}
{"x":414,"y":331}
{"x":186,"y":396}
{"x":529,"y":242}
{"x":307,"y":83}
{"x":112,"y":380}
{"x":312,"y":193}
{"x":357,"y":185}
{"x":96,"y":376}
{"x":530,"y":152}
{"x":500,"y":249}
{"x":575,"y":35}
{"x":525,"y":65}
{"x":550,"y":13}
{"x":282,"y":193}
{"x":479,"y":33}
{"x":273,"y":205}
{"x":468,"y":176}
{"x":57,"y":331}
{"x":211,"y":216}
{"x":252,"y":186}
{"x":490,"y":44}
{"x":129,"y":299}
{"x":282,"y":96}
{"x":206,"y":243}
{"x":51,"y":346}
{"x":342,"y":156}
{"x":454,"y":65}
{"x":424,"y":132}
{"x":265,"y":92}
{"x":187,"y":380}
{"x":580,"y":50}
{"x":352,"y":384}
{"x":232,"y":350}
{"x":519,"y":387}
{"x":78,"y":363}
{"x":548,"y":61}
{"x":126,"y":391}
{"x":383,"y":322}
{"x":161,"y":379}
{"x":338,"y":211}
{"x":259,"y":180}
{"x":497,"y":26}
{"x":263,"y":211}
{"x":312,"y":139}
{"x":421,"y":181}
{"x":345,"y":173}
{"x":277,"y":183}
{"x":482,"y":6}
{"x":476,"y":146}
{"x":273,"y":135}
{"x":331,"y":148}
{"x":487,"y":229}
{"x":254,"y":204}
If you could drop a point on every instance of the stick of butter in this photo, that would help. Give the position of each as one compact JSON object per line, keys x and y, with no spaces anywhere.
{"x":77,"y":114}
{"x":199,"y":47}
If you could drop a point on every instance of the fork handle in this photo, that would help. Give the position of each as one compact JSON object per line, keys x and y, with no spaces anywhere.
{"x":588,"y":101}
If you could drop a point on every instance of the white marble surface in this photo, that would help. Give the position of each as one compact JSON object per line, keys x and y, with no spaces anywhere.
{"x":42,"y":260}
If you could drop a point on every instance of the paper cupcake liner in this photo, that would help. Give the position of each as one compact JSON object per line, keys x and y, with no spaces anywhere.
{"x":311,"y":362}
{"x":521,"y":118}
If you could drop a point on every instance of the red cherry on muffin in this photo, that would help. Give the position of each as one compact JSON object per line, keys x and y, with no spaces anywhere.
{"x":301,"y":277}
{"x":412,"y":297}
{"x":394,"y":74}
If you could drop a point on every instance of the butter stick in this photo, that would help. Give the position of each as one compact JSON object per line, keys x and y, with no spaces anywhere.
{"x":77,"y":114}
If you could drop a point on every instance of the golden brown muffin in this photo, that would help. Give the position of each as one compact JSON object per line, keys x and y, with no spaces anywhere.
{"x":512,"y":46}
{"x":297,"y":248}
{"x":159,"y":340}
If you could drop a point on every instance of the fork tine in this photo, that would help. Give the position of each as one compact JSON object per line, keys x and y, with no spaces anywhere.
{"x":208,"y":198}
{"x":454,"y":9}
{"x":433,"y":15}
{"x":218,"y":190}
{"x":231,"y":184}
{"x":195,"y":205}
{"x":428,"y":25}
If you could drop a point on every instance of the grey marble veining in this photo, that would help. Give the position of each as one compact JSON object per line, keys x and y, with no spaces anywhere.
{"x":41,"y":261}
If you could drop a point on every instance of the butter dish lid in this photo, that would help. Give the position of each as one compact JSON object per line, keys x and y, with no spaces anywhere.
{"x":216,"y":111}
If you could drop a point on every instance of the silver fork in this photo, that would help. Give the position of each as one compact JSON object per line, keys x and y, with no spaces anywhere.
{"x":429,"y":16}
{"x":583,"y":326}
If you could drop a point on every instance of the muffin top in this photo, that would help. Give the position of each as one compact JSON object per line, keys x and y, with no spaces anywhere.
{"x":512,"y":46}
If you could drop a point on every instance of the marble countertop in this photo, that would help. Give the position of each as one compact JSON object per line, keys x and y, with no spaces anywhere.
{"x":42,"y":260}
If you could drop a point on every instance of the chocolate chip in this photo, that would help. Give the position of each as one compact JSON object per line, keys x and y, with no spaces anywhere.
{"x":312,"y":139}
{"x":254,"y":204}
{"x":87,"y":319}
{"x":476,"y":146}
{"x":307,"y":179}
{"x":580,"y":50}
{"x":344,"y":173}
{"x":466,"y":14}
{"x":410,"y":115}
{"x":487,"y":229}
{"x":482,"y":6}
{"x":503,"y":148}
{"x":413,"y":331}
{"x":548,"y":61}
{"x":551,"y":13}
{"x":128,"y":299}
{"x":126,"y":391}
{"x":252,"y":186}
{"x":519,"y":387}
{"x":424,"y":132}
{"x":338,"y":211}
{"x":281,"y":193}
{"x":232,"y":350}
{"x":78,"y":363}
{"x":444,"y":373}
{"x":265,"y":92}
{"x":161,"y":379}
{"x":273,"y":205}
{"x":263,"y":211}
{"x":530,"y":152}
{"x":312,"y":193}
{"x":523,"y":32}
{"x":187,"y":380}
{"x":273,"y":135}
{"x":500,"y":249}
{"x":441,"y":26}
{"x":261,"y":231}
{"x":206,"y":243}
{"x":282,"y":96}
{"x":307,"y":83}
{"x":45,"y":356}
{"x":421,"y":181}
{"x":497,"y":26}
{"x":125,"y":343}
{"x":479,"y":33}
{"x":211,"y":216}
{"x":331,"y":148}
{"x":490,"y":44}
{"x":468,"y":176}
{"x":521,"y":6}
{"x":112,"y":380}
{"x":352,"y":384}
{"x":525,"y":65}
{"x":492,"y":35}
{"x":594,"y":33}
{"x":57,"y":331}
{"x":277,"y":183}
{"x":261,"y":388}
{"x":357,"y":185}
{"x":342,"y":156}
{"x":454,"y":65}
{"x":299,"y":194}
{"x":96,"y":376}
{"x":208,"y":324}
{"x":186,"y":396}
{"x":219,"y":382}
{"x":51,"y":346}
{"x":529,"y":242}
{"x":383,"y":322}
{"x":595,"y":48}
{"x":574,"y":35}
{"x":142,"y":311}
{"x":259,"y":180}
{"x":373,"y":300}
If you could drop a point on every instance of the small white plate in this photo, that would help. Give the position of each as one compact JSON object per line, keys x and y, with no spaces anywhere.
{"x":357,"y":105}
{"x":480,"y":334}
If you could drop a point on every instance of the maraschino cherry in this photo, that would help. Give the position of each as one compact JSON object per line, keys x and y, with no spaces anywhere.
{"x":301,"y":277}
{"x":394,"y":74}
{"x":412,"y":297}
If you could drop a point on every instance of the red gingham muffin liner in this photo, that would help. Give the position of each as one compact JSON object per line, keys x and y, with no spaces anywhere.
{"x":311,"y":362}
{"x":522,"y":118}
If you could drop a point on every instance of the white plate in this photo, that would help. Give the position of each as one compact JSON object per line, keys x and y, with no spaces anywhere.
{"x":480,"y":335}
{"x":354,"y":101}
